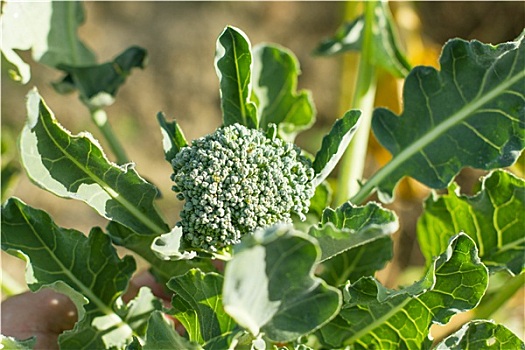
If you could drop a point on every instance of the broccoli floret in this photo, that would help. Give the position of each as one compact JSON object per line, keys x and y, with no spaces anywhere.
{"x":236,"y":180}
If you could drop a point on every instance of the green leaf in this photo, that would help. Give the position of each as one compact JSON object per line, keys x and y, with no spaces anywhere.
{"x":376,"y":317}
{"x":49,"y":29}
{"x":11,"y":343}
{"x":321,"y":199}
{"x":357,"y":262}
{"x":349,"y":227}
{"x":480,"y":335}
{"x":169,"y":246}
{"x":468,"y":114}
{"x":161,"y":334}
{"x":113,"y":330}
{"x":233,"y":64}
{"x":172,"y":137}
{"x":334,"y":145}
{"x":385,"y":44}
{"x":86,"y":269}
{"x":275,"y":72}
{"x":141,"y":244}
{"x":493,"y":218}
{"x":269,"y":285}
{"x":197,"y":304}
{"x":355,"y":241}
{"x":76,"y":167}
{"x":98,"y":84}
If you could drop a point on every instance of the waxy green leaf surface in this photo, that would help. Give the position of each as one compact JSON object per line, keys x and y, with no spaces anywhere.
{"x":161,"y":334}
{"x":275,"y":72}
{"x":350,"y":226}
{"x":269,"y":285}
{"x":481,"y":334}
{"x":373,"y":315}
{"x":76,"y":167}
{"x":86,"y":269}
{"x":197,"y":304}
{"x":494,"y":218}
{"x":233,"y":64}
{"x":334,"y":145}
{"x":450,"y":115}
{"x":354,"y":241}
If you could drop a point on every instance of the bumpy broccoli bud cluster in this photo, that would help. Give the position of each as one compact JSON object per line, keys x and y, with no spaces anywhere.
{"x":237,"y":180}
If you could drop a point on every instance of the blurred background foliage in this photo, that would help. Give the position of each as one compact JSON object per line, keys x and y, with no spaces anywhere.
{"x":180,"y":81}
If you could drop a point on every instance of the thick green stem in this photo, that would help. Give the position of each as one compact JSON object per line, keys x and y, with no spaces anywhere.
{"x":353,"y":162}
{"x":100,"y":119}
{"x":493,"y":304}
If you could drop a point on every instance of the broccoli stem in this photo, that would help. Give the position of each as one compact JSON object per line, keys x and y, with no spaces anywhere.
{"x":353,"y":162}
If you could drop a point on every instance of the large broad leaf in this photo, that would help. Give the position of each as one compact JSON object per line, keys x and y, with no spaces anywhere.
{"x":334,"y":145}
{"x":385,"y":46}
{"x":172,"y":137}
{"x":49,"y":29}
{"x":471,"y":113}
{"x":269,"y":285}
{"x":479,"y":335}
{"x":233,"y":64}
{"x":354,"y":241}
{"x":98,"y":84}
{"x":197,"y":304}
{"x":494,"y":218}
{"x":86,"y":269}
{"x":275,"y":72}
{"x":76,"y":167}
{"x":376,"y":317}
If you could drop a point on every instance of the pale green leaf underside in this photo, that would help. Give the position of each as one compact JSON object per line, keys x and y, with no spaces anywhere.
{"x":481,"y":335}
{"x":494,"y":218}
{"x":373,"y":316}
{"x":198,"y":305}
{"x":269,"y":285}
{"x":48,"y":29}
{"x":233,"y":64}
{"x":274,"y":76}
{"x":386,"y":49}
{"x":76,"y":167}
{"x":86,"y":269}
{"x":334,"y":145}
{"x":470,"y":113}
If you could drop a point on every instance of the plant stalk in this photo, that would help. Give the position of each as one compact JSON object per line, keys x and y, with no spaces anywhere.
{"x":354,"y":159}
{"x":100,"y":119}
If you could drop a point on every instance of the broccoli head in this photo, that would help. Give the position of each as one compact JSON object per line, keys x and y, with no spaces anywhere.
{"x":236,"y":180}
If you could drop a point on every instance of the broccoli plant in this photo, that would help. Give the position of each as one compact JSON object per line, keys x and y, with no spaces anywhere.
{"x":297,"y":273}
{"x":237,"y":180}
